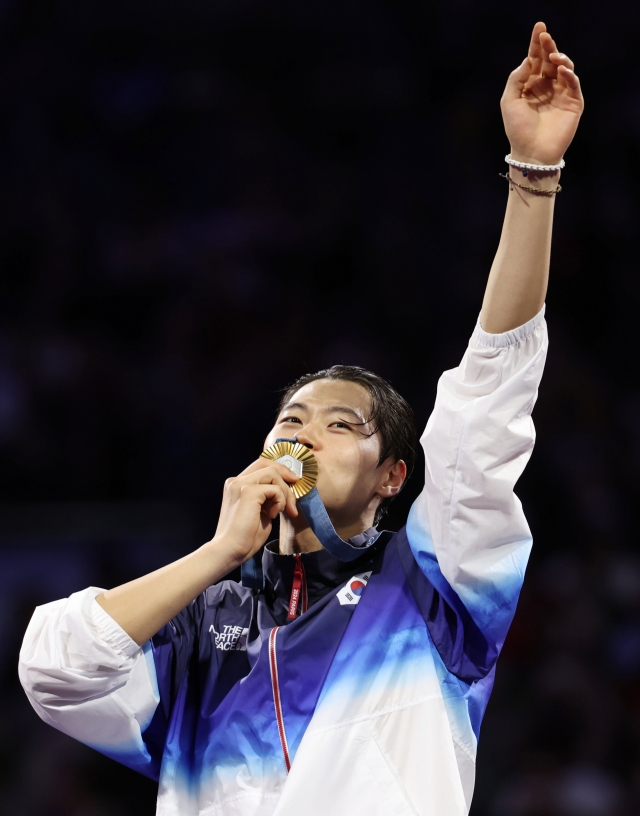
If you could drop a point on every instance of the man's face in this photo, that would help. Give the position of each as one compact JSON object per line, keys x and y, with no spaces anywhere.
{"x":330,"y":417}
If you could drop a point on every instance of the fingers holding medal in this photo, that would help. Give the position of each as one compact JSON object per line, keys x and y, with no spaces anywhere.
{"x":299,"y":459}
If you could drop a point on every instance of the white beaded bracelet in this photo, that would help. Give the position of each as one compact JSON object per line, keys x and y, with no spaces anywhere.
{"x":541,"y":168}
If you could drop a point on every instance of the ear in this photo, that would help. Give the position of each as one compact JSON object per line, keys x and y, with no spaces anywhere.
{"x":393,"y":477}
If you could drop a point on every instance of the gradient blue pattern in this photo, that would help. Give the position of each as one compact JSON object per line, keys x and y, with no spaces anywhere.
{"x":492,"y":604}
{"x":216,"y":718}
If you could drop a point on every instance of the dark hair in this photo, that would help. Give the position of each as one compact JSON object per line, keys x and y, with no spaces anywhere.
{"x":391,"y":415}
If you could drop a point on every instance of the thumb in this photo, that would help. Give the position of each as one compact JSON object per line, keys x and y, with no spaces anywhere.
{"x":517,"y":80}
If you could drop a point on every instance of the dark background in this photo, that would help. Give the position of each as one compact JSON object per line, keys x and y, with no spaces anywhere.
{"x":200,"y":201}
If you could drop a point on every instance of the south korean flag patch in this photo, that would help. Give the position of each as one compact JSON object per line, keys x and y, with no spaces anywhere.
{"x":352,"y":592}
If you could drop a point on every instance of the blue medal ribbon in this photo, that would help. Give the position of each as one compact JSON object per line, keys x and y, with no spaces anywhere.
{"x":318,"y":519}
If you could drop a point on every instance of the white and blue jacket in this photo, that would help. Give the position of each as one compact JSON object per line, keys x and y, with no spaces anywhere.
{"x":371,"y":700}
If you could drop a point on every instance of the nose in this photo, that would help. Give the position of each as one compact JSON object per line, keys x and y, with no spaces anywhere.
{"x":307,"y":438}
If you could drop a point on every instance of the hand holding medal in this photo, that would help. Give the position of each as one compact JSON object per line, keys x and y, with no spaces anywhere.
{"x":299,"y":459}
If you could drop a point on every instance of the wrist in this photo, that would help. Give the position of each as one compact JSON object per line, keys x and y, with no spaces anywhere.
{"x":220,"y":557}
{"x":522,"y":170}
{"x":541,"y":181}
{"x":541,"y":157}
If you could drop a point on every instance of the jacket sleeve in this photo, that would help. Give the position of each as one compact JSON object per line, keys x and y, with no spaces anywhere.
{"x":467,"y":530}
{"x":85,"y":676}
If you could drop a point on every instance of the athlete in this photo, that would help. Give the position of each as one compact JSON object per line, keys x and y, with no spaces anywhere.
{"x":350,"y":670}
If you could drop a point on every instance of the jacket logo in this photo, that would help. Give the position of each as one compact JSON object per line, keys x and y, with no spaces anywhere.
{"x":352,"y":592}
{"x":231,"y":639}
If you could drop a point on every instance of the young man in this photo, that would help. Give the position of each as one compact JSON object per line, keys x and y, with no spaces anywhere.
{"x":357,"y":683}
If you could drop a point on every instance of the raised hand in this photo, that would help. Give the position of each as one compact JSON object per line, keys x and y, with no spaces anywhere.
{"x":250,"y":502}
{"x":542,"y":102}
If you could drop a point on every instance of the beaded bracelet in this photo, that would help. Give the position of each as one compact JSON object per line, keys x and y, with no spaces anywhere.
{"x":540,"y":168}
{"x":534,"y":190}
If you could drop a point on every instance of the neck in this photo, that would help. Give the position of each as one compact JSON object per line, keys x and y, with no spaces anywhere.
{"x":297,"y":537}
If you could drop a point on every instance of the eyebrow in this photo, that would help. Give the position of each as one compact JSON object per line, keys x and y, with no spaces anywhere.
{"x":332,"y":409}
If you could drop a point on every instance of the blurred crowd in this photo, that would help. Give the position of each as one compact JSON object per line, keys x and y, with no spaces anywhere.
{"x":202,"y":201}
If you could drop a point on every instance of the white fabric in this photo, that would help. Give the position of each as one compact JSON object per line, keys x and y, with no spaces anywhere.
{"x":476,"y":444}
{"x":85,"y":676}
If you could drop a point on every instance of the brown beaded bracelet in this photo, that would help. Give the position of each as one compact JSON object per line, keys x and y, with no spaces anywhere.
{"x":534,"y":190}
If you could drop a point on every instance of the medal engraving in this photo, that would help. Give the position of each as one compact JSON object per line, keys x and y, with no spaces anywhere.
{"x":292,"y":463}
{"x":300,"y":460}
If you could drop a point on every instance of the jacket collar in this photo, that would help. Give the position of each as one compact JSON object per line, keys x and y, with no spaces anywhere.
{"x":323,"y":571}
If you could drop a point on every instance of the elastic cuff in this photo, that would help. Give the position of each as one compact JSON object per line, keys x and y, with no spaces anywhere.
{"x":508,"y":338}
{"x":112,"y":631}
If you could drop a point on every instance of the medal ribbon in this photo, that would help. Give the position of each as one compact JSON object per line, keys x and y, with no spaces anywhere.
{"x":318,"y":519}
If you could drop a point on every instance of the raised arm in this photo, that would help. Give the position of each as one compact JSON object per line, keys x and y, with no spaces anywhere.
{"x":467,"y":530}
{"x":541,"y":107}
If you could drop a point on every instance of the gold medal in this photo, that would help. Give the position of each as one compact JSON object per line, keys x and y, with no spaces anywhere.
{"x":300,"y":460}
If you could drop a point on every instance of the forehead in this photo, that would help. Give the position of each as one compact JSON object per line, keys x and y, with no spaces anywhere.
{"x":321,"y":393}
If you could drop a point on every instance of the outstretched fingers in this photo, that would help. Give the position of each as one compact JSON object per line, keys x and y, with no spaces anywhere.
{"x":535,"y":48}
{"x":548,"y":69}
{"x":547,"y":63}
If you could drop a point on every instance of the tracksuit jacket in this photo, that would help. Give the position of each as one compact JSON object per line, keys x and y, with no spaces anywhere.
{"x":371,"y":700}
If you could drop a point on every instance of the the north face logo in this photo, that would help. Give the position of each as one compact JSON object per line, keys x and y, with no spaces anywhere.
{"x":231,"y":639}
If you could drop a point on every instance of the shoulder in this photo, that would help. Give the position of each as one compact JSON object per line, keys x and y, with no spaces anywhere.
{"x":225,"y":594}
